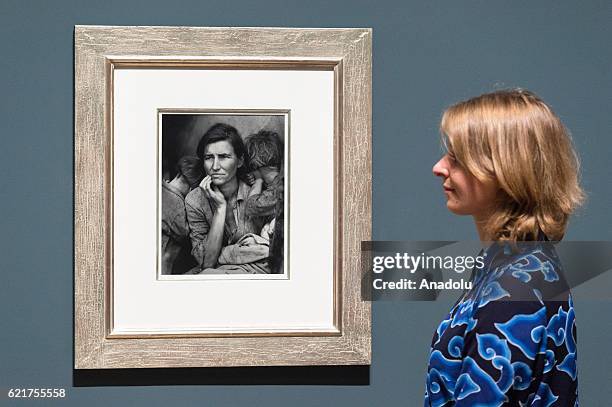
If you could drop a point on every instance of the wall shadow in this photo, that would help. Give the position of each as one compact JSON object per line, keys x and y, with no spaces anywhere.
{"x":270,"y":375}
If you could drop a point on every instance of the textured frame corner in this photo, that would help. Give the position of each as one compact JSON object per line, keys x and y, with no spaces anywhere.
{"x":96,"y":49}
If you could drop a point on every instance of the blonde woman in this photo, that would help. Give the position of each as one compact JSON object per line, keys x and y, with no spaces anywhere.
{"x":511,"y":339}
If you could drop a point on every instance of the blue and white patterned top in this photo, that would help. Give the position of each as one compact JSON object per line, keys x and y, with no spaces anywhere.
{"x":511,"y":339}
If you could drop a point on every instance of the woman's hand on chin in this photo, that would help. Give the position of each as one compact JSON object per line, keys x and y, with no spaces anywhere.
{"x":213,"y":193}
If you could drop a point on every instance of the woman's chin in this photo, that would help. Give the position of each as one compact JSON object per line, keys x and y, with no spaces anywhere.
{"x":456,"y":209}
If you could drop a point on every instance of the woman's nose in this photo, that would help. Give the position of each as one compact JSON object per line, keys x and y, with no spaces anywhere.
{"x":215,"y":165}
{"x":440,"y":169}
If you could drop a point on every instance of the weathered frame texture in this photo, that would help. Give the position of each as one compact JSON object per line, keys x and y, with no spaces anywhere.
{"x":98,"y":50}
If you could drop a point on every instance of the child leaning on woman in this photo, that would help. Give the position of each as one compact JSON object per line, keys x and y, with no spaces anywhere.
{"x":266,"y":197}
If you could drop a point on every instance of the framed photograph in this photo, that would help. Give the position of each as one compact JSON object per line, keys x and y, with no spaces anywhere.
{"x":222,"y":191}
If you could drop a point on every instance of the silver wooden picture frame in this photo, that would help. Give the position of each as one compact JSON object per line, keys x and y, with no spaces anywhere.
{"x":100,"y":51}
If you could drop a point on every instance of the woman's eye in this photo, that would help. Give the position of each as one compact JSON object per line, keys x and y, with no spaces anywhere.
{"x":453,"y":160}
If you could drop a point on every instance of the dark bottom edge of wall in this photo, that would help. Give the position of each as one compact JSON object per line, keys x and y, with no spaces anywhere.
{"x":269,"y":375}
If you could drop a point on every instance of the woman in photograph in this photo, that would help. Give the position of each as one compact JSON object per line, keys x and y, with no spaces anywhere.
{"x":216,"y":209}
{"x":511,"y":338}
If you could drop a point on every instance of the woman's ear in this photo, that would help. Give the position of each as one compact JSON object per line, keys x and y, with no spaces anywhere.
{"x":240,"y":162}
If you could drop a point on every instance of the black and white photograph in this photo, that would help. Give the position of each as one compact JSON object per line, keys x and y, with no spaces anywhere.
{"x":222,"y":193}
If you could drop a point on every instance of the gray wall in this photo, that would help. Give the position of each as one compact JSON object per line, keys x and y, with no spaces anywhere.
{"x":426,"y":56}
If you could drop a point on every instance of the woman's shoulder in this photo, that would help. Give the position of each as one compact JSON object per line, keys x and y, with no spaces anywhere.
{"x":196,"y":198}
{"x":243,"y":188}
{"x":520,"y":287}
{"x":533,"y":271}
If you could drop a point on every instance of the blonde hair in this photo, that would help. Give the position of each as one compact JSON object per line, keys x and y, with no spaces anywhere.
{"x":515,"y":139}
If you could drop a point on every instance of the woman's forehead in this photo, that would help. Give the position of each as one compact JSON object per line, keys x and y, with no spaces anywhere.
{"x":219,"y":147}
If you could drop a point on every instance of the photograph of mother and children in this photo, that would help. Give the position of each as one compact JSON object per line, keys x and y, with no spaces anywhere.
{"x":222,"y":194}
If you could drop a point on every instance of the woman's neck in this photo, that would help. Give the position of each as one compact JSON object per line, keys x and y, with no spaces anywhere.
{"x":481,"y":227}
{"x":229,"y":189}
